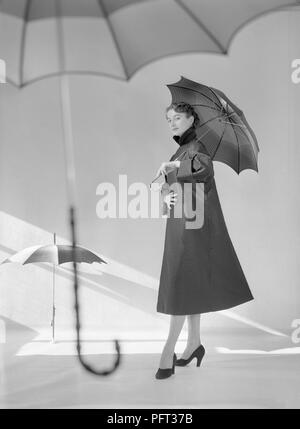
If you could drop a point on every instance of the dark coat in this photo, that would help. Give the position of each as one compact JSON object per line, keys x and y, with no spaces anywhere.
{"x":200,"y":270}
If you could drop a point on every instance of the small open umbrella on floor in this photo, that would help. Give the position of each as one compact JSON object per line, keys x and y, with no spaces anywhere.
{"x":56,"y":254}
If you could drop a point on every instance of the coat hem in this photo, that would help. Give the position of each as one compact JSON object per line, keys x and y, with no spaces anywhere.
{"x":210,"y":310}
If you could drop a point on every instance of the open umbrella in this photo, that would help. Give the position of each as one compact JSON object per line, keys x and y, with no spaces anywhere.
{"x":116,"y":38}
{"x":223,"y":128}
{"x":56,"y":254}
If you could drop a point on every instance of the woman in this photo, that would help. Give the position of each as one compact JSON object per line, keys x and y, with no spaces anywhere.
{"x":200,"y":270}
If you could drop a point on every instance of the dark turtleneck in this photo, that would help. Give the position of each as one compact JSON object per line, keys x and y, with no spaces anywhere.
{"x":186,"y":137}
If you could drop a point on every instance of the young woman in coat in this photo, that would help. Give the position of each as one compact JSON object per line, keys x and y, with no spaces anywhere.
{"x":200,"y":270}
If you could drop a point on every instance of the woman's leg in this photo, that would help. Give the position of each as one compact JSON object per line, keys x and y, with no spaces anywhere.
{"x":193,"y":335}
{"x":176,"y":323}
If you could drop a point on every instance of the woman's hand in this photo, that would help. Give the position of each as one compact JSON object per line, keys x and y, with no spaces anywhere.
{"x":166,"y":167}
{"x":170,"y":199}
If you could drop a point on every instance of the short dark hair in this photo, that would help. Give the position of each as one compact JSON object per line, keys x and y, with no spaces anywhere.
{"x":186,"y":108}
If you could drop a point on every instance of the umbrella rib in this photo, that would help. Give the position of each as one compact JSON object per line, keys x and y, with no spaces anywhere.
{"x":23,"y":37}
{"x":208,"y":107}
{"x":241,"y":128}
{"x":238,"y":146}
{"x":244,"y":135}
{"x":232,"y":113}
{"x":201,"y":25}
{"x":113,"y":35}
{"x":209,"y":120}
{"x":234,"y":124}
{"x":216,"y":95}
{"x":220,"y":140}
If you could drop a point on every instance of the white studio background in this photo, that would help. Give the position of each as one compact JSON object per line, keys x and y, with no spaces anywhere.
{"x":120,"y":128}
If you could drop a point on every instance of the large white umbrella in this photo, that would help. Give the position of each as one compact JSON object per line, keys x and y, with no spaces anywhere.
{"x":116,"y":38}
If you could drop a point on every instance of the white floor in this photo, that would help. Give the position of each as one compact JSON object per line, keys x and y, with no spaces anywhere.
{"x":242,"y":369}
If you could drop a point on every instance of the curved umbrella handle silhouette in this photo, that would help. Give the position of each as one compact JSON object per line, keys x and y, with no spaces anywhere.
{"x":85,"y":364}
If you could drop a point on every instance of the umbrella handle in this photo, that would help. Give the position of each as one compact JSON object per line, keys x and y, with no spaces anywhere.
{"x":85,"y":364}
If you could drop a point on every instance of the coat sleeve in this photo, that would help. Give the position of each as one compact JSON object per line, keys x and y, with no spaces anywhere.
{"x":198,"y":167}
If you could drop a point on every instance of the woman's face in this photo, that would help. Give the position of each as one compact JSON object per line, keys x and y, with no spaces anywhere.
{"x":179,"y":122}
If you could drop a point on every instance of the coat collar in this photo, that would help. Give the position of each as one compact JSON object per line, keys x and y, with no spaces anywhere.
{"x":186,"y":137}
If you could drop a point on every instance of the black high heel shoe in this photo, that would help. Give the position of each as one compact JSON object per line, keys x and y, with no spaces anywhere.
{"x":166,"y":372}
{"x":198,"y":353}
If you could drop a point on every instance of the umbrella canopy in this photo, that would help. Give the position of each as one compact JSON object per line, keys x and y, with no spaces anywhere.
{"x":223,"y":128}
{"x":116,"y":37}
{"x":55,"y":254}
